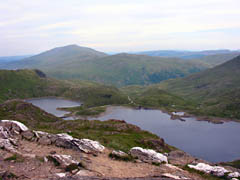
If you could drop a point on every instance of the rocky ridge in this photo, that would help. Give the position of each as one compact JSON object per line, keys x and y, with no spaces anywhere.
{"x":28,"y":154}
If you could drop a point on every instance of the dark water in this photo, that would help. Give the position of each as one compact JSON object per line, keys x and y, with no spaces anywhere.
{"x":50,"y":105}
{"x":212,"y":142}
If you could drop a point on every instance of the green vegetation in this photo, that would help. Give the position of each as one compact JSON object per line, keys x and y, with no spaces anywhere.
{"x":235,"y":164}
{"x":113,"y":133}
{"x":214,"y":92}
{"x":121,"y":158}
{"x":74,"y":62}
{"x":33,"y":83}
{"x":85,"y":111}
{"x":15,"y":158}
{"x":204,"y":175}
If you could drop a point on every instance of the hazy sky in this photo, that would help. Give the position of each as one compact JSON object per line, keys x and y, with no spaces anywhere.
{"x":32,"y":26}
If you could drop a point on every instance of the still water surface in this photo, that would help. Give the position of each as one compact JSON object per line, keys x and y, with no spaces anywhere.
{"x":212,"y":142}
{"x":51,"y":104}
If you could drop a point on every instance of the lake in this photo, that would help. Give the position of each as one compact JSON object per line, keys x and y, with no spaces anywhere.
{"x":50,"y":105}
{"x":212,"y":142}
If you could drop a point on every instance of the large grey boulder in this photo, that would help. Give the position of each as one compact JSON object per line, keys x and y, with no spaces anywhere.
{"x":62,"y":160}
{"x":216,"y":170}
{"x":148,"y":155}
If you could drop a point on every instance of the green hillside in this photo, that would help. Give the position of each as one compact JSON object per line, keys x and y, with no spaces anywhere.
{"x":216,"y":91}
{"x":125,"y":69}
{"x":217,"y":59}
{"x":74,"y":62}
{"x":57,"y":57}
{"x":33,"y":83}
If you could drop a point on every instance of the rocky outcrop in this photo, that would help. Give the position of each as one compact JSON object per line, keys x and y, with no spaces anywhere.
{"x":215,"y":170}
{"x":119,"y":153}
{"x":148,"y":155}
{"x":63,"y":160}
{"x":9,"y":130}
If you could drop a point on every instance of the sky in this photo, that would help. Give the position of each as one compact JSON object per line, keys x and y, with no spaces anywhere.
{"x":33,"y":26}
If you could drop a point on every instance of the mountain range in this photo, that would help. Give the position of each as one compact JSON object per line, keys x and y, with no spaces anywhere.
{"x":75,"y":62}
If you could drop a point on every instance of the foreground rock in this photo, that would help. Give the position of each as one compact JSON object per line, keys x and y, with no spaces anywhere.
{"x":148,"y":155}
{"x":215,"y":170}
{"x":11,"y":131}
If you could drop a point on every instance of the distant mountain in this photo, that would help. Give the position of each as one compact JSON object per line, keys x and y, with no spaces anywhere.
{"x":126,"y":69}
{"x":12,"y":58}
{"x":60,"y":56}
{"x":185,"y":54}
{"x":74,"y":62}
{"x":217,"y":59}
{"x":217,"y":90}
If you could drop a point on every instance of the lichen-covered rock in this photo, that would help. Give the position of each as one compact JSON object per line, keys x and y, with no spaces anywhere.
{"x":15,"y":125}
{"x":119,"y":153}
{"x":62,"y":160}
{"x":148,"y":155}
{"x":89,"y":146}
{"x":234,"y":175}
{"x":27,"y":134}
{"x":44,"y":140}
{"x":216,"y":170}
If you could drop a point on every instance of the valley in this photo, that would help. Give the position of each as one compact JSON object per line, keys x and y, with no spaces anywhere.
{"x":139,"y":112}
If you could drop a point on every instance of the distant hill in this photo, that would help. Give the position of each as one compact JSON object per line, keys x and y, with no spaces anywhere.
{"x":217,"y":90}
{"x":126,"y":69}
{"x":60,"y":56}
{"x":23,"y":84}
{"x":217,"y":59}
{"x":12,"y":58}
{"x":213,"y":92}
{"x":185,"y":54}
{"x":75,"y":62}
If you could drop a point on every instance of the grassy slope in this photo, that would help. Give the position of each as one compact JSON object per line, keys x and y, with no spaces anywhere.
{"x":74,"y":62}
{"x":58,"y":57}
{"x":126,"y":69}
{"x":217,"y":59}
{"x":214,"y":92}
{"x":113,"y":134}
{"x":28,"y":84}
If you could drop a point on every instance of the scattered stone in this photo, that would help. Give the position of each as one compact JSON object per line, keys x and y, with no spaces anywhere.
{"x":61,"y":175}
{"x":39,"y":134}
{"x":62,"y":160}
{"x":234,"y":175}
{"x":44,"y":140}
{"x":148,"y":155}
{"x":173,"y":176}
{"x":215,"y":170}
{"x":15,"y":124}
{"x":85,"y":173}
{"x":119,"y":153}
{"x":27,"y":135}
{"x":89,"y":146}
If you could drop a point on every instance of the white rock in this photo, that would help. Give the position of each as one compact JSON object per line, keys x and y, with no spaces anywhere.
{"x":234,"y":175}
{"x":173,"y":167}
{"x":119,"y":153}
{"x":173,"y":176}
{"x":88,"y":146}
{"x":148,"y":155}
{"x":64,"y":160}
{"x":20,"y":125}
{"x":65,"y":136}
{"x":178,"y":113}
{"x":61,"y":175}
{"x":40,"y":133}
{"x":6,"y":144}
{"x":216,"y":170}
